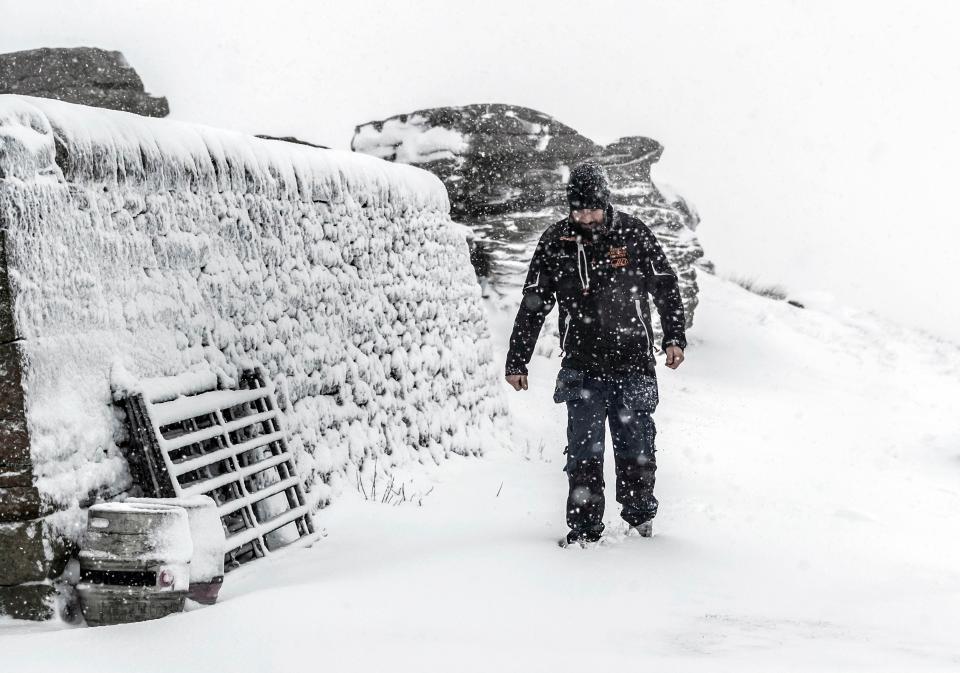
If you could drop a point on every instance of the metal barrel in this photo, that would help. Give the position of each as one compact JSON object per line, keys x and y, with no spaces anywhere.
{"x":134,"y":562}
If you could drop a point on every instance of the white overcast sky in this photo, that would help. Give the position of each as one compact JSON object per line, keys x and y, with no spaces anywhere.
{"x":819,"y":140}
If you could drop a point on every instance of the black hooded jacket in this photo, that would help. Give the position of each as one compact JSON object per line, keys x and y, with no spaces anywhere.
{"x":601,"y":287}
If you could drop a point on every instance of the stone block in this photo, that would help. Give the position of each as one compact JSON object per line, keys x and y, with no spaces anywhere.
{"x":7,"y":330}
{"x":15,"y":476}
{"x":28,"y":601}
{"x":21,"y":503}
{"x":30,"y":552}
{"x":14,"y":441}
{"x":14,"y":437}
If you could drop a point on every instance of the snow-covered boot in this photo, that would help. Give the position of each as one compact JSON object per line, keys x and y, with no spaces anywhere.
{"x":579,"y":539}
{"x":644,"y":529}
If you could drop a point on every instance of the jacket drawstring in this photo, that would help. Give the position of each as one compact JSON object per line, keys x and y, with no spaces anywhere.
{"x":583,"y":267}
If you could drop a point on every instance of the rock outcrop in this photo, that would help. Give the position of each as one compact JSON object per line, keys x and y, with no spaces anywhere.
{"x":505,"y":168}
{"x":83,"y":75}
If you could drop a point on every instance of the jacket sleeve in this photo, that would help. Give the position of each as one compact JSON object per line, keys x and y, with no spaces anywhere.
{"x":539,"y":296}
{"x":665,"y":289}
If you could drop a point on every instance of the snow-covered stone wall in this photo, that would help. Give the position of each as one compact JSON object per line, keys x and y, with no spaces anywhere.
{"x":147,"y":247}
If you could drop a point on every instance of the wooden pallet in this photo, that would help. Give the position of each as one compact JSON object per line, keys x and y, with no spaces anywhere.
{"x":231,"y":446}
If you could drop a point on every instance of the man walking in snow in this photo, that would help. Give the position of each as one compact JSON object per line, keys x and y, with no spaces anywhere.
{"x":599,"y":265}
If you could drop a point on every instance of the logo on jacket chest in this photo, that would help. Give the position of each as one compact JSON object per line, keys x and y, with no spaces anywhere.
{"x":618,"y":257}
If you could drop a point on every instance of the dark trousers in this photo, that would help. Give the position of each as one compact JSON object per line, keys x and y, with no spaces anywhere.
{"x":625,"y":402}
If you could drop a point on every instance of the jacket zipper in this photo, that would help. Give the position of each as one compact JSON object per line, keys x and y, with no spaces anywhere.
{"x":566,"y":330}
{"x":636,"y":303}
{"x":583,"y":268}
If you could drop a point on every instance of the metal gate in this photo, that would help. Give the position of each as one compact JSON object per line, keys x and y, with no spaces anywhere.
{"x":230,"y":445}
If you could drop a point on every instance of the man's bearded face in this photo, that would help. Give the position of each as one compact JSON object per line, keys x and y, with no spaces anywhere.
{"x":588,"y":222}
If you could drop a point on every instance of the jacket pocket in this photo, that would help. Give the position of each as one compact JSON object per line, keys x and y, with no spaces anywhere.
{"x":569,"y":385}
{"x":640,"y":392}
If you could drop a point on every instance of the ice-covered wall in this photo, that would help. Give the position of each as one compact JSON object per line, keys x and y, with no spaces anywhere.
{"x":155,"y":247}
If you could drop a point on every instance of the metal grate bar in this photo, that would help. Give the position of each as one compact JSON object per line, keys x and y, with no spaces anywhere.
{"x":214,"y":431}
{"x":182,"y":467}
{"x":265,"y":527}
{"x":191,"y":406}
{"x":233,"y":505}
{"x":239,"y":475}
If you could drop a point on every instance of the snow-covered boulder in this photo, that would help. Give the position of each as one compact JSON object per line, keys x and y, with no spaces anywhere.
{"x":152,"y":247}
{"x":84,"y":75}
{"x":505,"y":168}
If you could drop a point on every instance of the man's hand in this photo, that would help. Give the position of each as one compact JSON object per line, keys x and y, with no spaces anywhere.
{"x":674,"y":357}
{"x":518,"y":381}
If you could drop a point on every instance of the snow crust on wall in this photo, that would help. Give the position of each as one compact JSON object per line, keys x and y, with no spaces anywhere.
{"x":151,"y":248}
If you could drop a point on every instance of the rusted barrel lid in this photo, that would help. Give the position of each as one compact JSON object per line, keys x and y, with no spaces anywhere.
{"x":122,"y":518}
{"x":137,"y":531}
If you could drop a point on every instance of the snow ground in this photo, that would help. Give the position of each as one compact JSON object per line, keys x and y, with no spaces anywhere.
{"x":809,"y":497}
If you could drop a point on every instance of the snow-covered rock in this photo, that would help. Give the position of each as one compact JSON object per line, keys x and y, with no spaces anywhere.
{"x":84,"y":75}
{"x":150,"y":248}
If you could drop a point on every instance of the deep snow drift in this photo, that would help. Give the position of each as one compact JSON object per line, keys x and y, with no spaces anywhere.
{"x":808,"y":487}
